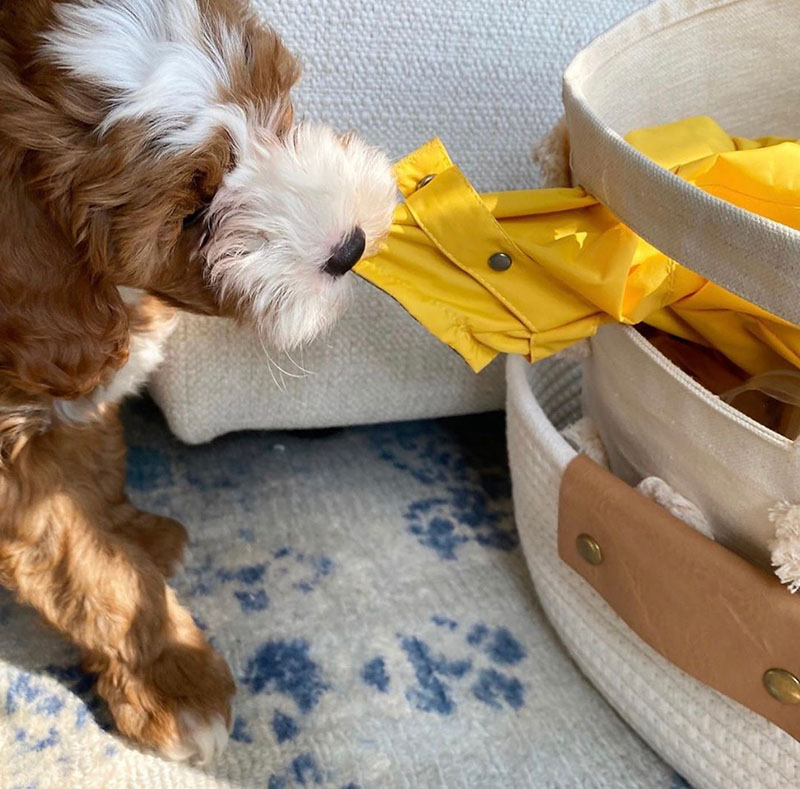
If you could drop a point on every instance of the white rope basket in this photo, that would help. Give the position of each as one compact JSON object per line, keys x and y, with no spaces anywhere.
{"x":710,"y":739}
{"x":735,"y":60}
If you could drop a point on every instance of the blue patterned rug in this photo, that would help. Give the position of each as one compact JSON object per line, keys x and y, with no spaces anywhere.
{"x":367,"y":587}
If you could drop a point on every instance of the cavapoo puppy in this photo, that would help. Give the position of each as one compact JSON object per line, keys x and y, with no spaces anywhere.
{"x":148,"y":161}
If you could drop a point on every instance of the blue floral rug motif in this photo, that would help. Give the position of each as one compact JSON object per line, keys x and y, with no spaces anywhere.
{"x":368,"y":590}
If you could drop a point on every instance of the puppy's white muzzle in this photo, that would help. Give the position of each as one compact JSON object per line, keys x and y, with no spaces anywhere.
{"x":290,"y":219}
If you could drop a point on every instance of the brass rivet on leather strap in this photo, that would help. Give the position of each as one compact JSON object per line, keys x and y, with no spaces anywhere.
{"x":500,"y":261}
{"x":782,"y":685}
{"x":589,"y":549}
{"x":426,"y":180}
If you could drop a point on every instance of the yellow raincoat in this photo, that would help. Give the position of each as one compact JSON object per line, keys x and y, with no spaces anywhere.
{"x":574,"y":265}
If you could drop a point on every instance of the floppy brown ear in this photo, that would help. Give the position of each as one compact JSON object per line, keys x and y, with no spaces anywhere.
{"x":63,"y":330}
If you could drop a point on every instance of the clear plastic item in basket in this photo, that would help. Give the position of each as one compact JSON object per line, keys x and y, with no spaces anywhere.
{"x":779,"y":393}
{"x":771,"y":399}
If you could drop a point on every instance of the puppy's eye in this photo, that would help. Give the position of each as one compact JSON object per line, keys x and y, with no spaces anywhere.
{"x":199,"y":214}
{"x":195,"y":217}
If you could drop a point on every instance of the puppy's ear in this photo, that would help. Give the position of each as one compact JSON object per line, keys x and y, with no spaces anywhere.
{"x":63,"y":330}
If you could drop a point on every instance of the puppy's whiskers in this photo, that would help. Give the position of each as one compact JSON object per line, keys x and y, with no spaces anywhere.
{"x":280,"y":386}
{"x":299,"y":366}
{"x":286,"y":372}
{"x":272,"y":365}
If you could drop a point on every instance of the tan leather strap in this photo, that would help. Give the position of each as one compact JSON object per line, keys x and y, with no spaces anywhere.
{"x":704,"y":608}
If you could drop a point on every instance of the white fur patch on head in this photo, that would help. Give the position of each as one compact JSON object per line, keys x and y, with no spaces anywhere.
{"x":281,"y":213}
{"x":157,"y":60}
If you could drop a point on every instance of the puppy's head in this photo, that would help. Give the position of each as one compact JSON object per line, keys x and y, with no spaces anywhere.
{"x":290,"y":219}
{"x":181,"y":170}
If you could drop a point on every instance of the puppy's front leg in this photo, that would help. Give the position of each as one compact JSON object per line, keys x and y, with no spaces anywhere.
{"x":165,"y":686}
{"x":162,"y":539}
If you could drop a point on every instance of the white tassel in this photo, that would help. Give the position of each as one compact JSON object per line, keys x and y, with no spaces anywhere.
{"x":661,"y":493}
{"x":551,"y":153}
{"x":584,"y":438}
{"x":785,"y":547}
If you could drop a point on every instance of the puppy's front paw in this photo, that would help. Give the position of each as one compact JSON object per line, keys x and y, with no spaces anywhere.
{"x":162,"y":539}
{"x":180,"y":706}
{"x":200,"y":739}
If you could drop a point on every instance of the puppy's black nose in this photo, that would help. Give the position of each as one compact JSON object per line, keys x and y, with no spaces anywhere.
{"x":347,"y":254}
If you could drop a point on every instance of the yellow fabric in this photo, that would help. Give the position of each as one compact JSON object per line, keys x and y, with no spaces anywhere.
{"x":575,"y":265}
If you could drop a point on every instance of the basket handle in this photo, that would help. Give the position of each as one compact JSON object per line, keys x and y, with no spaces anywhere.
{"x":747,"y":254}
{"x":705,"y":609}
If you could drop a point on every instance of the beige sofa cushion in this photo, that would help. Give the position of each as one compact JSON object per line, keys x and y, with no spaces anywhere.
{"x":378,"y":365}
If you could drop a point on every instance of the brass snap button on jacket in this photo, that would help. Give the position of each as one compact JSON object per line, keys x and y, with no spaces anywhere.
{"x":425,"y":181}
{"x":589,"y":549}
{"x":782,"y":685}
{"x":500,"y":261}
